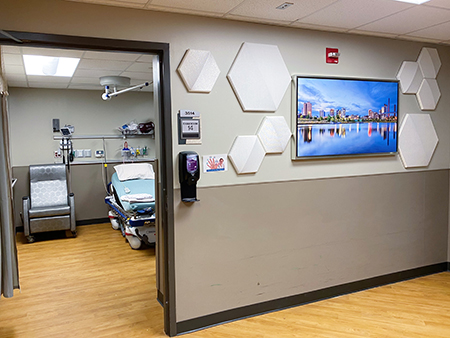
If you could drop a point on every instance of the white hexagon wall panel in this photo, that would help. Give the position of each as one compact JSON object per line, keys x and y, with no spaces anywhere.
{"x":429,"y":62}
{"x":417,"y":140}
{"x":199,"y":71}
{"x":259,"y":77}
{"x":428,"y":94}
{"x":246,"y":154}
{"x":410,"y":77}
{"x":274,"y":134}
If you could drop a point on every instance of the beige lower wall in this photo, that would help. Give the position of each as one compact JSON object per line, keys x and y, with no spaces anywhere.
{"x":247,"y":244}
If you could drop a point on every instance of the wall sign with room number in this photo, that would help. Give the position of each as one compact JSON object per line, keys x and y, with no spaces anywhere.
{"x":189,"y":130}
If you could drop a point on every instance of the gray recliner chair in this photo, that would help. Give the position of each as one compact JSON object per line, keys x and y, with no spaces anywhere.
{"x":49,"y":206}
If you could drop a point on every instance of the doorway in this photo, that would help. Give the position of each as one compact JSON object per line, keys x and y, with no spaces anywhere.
{"x":161,"y":80}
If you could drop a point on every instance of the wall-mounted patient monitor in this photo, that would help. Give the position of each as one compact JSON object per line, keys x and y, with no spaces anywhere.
{"x":189,"y":171}
{"x":65,"y":131}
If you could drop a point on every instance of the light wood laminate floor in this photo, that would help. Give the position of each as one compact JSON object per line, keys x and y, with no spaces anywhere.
{"x":96,"y":286}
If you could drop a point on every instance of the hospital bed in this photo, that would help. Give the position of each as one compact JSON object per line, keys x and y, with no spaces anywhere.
{"x":132,"y":203}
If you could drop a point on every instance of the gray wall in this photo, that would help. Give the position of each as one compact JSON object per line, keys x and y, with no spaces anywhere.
{"x":31,"y":112}
{"x":243,"y":245}
{"x":254,"y":237}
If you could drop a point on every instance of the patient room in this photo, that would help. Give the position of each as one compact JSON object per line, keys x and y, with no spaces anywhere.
{"x":87,"y":142}
{"x":98,"y":118}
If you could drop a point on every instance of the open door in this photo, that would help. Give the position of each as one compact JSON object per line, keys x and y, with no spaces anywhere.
{"x":161,"y":70}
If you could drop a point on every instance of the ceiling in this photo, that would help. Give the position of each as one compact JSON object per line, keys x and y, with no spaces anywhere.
{"x":92,"y":66}
{"x":427,"y":22}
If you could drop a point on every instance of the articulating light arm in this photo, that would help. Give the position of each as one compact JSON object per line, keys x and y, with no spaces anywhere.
{"x":107,"y":95}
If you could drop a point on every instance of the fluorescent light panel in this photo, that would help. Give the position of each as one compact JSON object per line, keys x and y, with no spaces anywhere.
{"x":417,"y":2}
{"x":49,"y":65}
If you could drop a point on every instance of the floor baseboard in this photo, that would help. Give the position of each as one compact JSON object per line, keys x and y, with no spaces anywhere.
{"x":282,"y":303}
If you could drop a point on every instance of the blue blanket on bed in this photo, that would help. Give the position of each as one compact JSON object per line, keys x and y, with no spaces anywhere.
{"x":138,"y":186}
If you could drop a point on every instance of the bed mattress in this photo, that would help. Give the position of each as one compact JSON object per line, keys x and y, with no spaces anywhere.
{"x":137,"y":186}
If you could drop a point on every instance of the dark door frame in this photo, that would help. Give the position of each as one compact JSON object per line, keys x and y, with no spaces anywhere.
{"x":165,"y":128}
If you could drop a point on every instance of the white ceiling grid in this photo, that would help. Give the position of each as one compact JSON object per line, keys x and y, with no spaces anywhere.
{"x":92,"y":66}
{"x":426,"y":22}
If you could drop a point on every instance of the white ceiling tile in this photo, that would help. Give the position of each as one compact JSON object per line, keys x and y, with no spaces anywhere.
{"x":142,"y":2}
{"x":86,"y":87}
{"x":14,"y":70}
{"x":14,"y":83}
{"x":255,"y":19}
{"x":11,"y":49}
{"x":410,"y":20}
{"x":17,"y":77}
{"x":146,"y":58}
{"x":354,"y":13}
{"x":12,"y":59}
{"x":48,"y":79}
{"x":95,"y":73}
{"x":317,"y":27}
{"x":86,"y":80}
{"x":103,"y":64}
{"x":418,"y":38}
{"x":372,"y":33}
{"x":438,"y":3}
{"x":117,"y":56}
{"x":140,"y":67}
{"x":113,"y":3}
{"x":438,"y":32}
{"x":52,"y":52}
{"x":268,"y":9}
{"x":183,"y":11}
{"x":138,"y":76}
{"x":222,"y":6}
{"x":47,"y":85}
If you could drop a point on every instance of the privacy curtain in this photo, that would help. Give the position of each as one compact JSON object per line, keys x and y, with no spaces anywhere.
{"x":9,"y":273}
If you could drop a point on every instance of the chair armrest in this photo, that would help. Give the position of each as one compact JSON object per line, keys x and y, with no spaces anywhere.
{"x":73,"y":225}
{"x":26,"y":205}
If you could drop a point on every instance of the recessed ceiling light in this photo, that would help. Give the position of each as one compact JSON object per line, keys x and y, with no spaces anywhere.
{"x":417,"y":2}
{"x":49,"y":65}
{"x":285,"y":5}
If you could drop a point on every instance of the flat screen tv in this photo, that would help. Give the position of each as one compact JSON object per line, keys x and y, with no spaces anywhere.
{"x":344,"y":117}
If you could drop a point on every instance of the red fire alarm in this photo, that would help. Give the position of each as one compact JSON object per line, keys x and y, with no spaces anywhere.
{"x":332,"y":55}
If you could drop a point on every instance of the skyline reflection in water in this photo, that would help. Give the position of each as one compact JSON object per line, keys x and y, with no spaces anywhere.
{"x":346,"y":138}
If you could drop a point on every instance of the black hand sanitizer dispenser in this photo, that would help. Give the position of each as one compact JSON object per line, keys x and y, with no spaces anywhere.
{"x":189,"y":170}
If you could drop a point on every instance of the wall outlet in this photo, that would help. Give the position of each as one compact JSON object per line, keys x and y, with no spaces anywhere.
{"x":87,"y":152}
{"x":79,"y":153}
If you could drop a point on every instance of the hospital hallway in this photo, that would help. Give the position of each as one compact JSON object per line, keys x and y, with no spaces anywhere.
{"x":95,"y":285}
